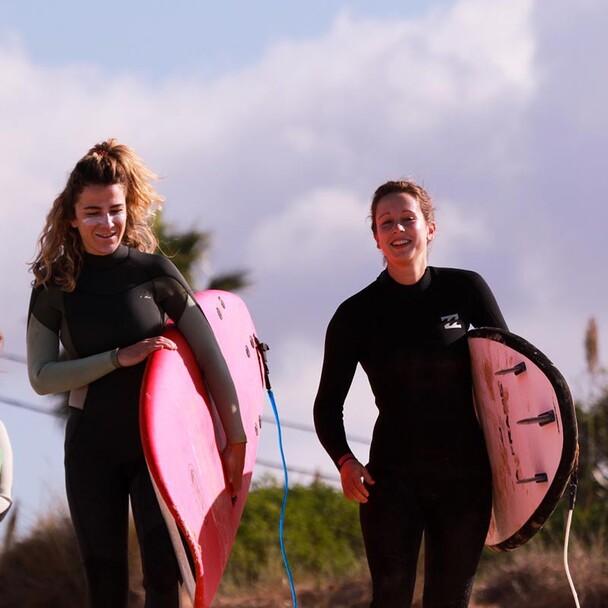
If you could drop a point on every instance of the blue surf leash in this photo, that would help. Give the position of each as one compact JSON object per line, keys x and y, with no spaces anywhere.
{"x":263,"y":348}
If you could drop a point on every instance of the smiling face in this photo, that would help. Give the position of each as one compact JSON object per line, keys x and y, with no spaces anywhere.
{"x":101,"y":218}
{"x":402,"y":233}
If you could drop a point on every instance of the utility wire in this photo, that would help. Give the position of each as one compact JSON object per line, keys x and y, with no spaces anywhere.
{"x":309,"y":429}
{"x":265,"y":463}
{"x":273,"y":465}
{"x":27,"y":406}
{"x":297,"y":426}
{"x":11,"y":357}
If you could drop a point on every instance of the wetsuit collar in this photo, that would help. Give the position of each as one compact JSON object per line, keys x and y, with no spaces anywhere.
{"x":419,"y":287}
{"x":107,"y":261}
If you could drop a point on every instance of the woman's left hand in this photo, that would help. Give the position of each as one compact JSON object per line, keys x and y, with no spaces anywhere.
{"x":138,"y":352}
{"x":233,"y":461}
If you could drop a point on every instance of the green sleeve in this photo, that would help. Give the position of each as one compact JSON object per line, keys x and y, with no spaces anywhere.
{"x":48,"y":374}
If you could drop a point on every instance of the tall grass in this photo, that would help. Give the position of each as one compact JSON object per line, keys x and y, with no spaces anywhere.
{"x":534,"y":576}
{"x":44,"y":569}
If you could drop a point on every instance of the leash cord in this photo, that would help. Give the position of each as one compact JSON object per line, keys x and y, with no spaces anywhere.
{"x":283,"y":506}
{"x":573,"y":486}
{"x":263,"y":349}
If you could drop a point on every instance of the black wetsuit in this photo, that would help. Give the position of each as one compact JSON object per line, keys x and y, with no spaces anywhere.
{"x":427,"y":456}
{"x":119,"y":300}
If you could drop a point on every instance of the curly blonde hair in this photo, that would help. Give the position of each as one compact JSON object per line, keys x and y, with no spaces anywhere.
{"x":60,"y":250}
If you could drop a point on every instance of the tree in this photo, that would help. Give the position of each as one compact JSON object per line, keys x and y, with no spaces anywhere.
{"x":188,"y":249}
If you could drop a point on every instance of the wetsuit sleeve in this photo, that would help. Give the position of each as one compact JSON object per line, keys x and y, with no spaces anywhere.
{"x":6,"y":472}
{"x":339,"y":366}
{"x":47,"y":373}
{"x":485,"y":309}
{"x":178,"y":302}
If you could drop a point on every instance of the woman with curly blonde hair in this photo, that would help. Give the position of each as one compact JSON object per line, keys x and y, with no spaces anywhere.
{"x":60,"y":256}
{"x":101,"y":294}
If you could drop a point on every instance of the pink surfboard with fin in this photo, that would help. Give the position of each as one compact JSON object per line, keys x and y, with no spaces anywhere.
{"x":527,"y":415}
{"x":183,"y":440}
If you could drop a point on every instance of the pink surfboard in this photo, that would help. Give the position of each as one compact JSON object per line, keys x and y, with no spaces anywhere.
{"x":529,"y":423}
{"x":183,"y":440}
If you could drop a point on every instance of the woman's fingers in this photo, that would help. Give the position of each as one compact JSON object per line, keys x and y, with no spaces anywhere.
{"x":353,"y":475}
{"x":138,"y":352}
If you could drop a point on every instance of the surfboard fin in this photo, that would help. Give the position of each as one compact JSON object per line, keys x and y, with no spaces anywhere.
{"x":541,"y":419}
{"x":538,"y":478}
{"x":516,"y":369}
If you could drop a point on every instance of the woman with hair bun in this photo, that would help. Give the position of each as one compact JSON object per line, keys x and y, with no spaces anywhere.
{"x":428,"y":472}
{"x":101,"y":294}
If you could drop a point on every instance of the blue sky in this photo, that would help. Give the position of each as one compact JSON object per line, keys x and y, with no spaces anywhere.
{"x":271,"y":123}
{"x":192,"y":38}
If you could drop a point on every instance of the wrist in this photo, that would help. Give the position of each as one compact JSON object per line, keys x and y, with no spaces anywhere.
{"x":344,"y":459}
{"x":114,"y":357}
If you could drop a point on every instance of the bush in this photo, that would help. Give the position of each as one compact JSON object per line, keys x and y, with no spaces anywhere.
{"x":321,"y":535}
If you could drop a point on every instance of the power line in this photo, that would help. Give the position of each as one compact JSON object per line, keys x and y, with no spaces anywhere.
{"x":26,"y":406}
{"x":297,"y":426}
{"x":259,"y":461}
{"x":11,"y":357}
{"x":315,"y":474}
{"x":309,"y":429}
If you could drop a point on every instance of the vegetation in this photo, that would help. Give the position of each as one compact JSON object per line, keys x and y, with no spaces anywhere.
{"x":321,"y":530}
{"x":187,"y":250}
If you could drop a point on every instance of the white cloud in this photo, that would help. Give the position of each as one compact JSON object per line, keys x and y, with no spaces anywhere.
{"x":311,"y":231}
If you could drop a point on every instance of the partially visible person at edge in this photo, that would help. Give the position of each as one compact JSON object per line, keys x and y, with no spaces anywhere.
{"x":101,"y":293}
{"x":428,"y":472}
{"x":6,"y":464}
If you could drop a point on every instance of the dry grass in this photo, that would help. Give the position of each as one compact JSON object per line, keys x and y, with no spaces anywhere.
{"x":43,"y":571}
{"x":532,"y":577}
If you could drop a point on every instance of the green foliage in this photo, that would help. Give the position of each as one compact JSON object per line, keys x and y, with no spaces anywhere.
{"x":184,"y":249}
{"x":321,"y":535}
{"x":591,"y":513}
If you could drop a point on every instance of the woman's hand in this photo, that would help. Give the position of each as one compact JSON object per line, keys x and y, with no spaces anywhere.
{"x":352,"y":475}
{"x":138,"y":352}
{"x":233,"y":461}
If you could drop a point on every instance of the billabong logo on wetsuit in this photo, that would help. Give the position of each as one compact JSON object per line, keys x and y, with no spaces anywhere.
{"x":145,"y":294}
{"x":451,"y":321}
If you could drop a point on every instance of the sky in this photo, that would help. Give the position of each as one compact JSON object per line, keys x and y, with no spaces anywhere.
{"x":271,"y":124}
